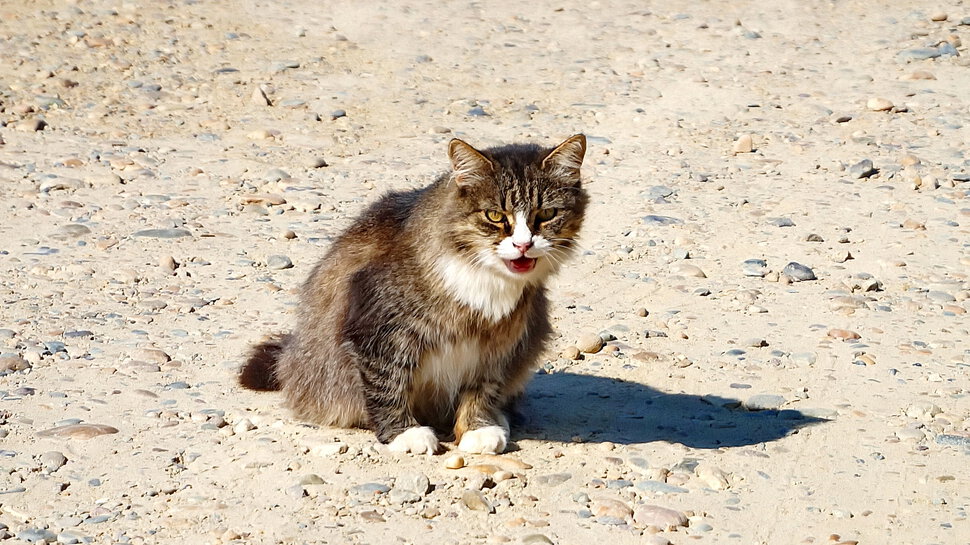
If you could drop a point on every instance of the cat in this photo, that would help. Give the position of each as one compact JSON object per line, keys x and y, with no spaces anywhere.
{"x":428,"y":315}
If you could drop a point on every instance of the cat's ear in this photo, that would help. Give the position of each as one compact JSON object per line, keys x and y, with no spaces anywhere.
{"x":468,"y":163}
{"x":567,"y":157}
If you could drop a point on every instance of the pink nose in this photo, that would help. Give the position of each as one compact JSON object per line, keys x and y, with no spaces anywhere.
{"x":522,"y":247}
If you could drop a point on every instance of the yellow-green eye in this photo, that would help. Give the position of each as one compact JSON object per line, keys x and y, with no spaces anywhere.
{"x":545,"y":214}
{"x":494,"y":216}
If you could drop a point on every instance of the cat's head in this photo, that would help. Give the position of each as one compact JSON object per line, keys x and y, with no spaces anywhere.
{"x":517,"y":209}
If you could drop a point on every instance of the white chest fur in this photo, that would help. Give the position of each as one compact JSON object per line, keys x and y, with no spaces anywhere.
{"x":493,"y":295}
{"x":448,"y":368}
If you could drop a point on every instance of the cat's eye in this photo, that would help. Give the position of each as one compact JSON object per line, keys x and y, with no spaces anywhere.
{"x":545,"y":214}
{"x":494,"y":216}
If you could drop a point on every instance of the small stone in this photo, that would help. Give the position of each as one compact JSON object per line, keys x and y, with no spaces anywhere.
{"x":611,"y":508}
{"x":938,"y":17}
{"x":152,"y":355}
{"x":537,"y":539}
{"x":168,"y":263}
{"x":744,"y":144}
{"x":878,"y":104}
{"x":764,"y":402}
{"x":686,"y":269}
{"x":914,"y":225}
{"x":414,"y":482}
{"x":71,"y":230}
{"x":31,"y":125}
{"x":78,"y":431}
{"x":712,"y":476}
{"x":37,"y":535}
{"x":318,"y":162}
{"x":10,"y":362}
{"x":52,"y":461}
{"x":278,"y":262}
{"x":368,"y":490}
{"x":798,"y":272}
{"x":401,"y":497}
{"x":590,"y":343}
{"x":162,"y":233}
{"x":844,"y":334}
{"x":862,"y":169}
{"x":754,"y":267}
{"x":329,"y":450}
{"x":311,"y":479}
{"x":909,"y":160}
{"x":953,"y":440}
{"x":918,"y":54}
{"x":243,"y":426}
{"x":571,"y":353}
{"x":659,"y":517}
{"x":455,"y":462}
{"x":923,"y":410}
{"x":259,"y":97}
{"x":476,"y":501}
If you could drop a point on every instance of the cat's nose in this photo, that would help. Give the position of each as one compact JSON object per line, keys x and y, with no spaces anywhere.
{"x":522,"y":247}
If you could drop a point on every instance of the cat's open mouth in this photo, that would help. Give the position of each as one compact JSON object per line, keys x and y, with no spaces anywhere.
{"x":521,"y":265}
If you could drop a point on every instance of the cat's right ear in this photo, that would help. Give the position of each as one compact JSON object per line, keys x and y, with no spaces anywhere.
{"x":468,"y":163}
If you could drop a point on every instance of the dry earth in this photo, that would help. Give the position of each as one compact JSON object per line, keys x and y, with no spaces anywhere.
{"x":170,"y":171}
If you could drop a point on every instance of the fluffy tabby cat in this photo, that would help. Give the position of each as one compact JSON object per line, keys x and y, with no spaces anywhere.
{"x":428,"y":315}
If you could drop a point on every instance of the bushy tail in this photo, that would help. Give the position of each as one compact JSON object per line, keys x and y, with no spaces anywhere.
{"x":259,"y":371}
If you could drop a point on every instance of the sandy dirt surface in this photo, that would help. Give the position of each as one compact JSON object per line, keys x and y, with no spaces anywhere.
{"x":170,"y":171}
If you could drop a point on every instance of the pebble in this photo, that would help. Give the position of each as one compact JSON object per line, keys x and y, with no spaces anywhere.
{"x":162,"y":233}
{"x":754,"y":267}
{"x":844,"y":334}
{"x":918,"y":54}
{"x":878,"y":104}
{"x":611,"y":508}
{"x":78,"y":431}
{"x":913,"y":225}
{"x":687,"y":269}
{"x":31,"y":125}
{"x":455,"y":461}
{"x":953,"y":440}
{"x":52,"y":461}
{"x":242,"y":426}
{"x":659,"y":517}
{"x":476,"y":501}
{"x":714,"y":477}
{"x":414,"y":482}
{"x":368,"y":490}
{"x":862,"y":169}
{"x":13,"y":363}
{"x":536,"y":539}
{"x":744,"y":144}
{"x":764,"y":402}
{"x":590,"y":343}
{"x":37,"y":535}
{"x":278,"y":262}
{"x":569,"y":353}
{"x":798,"y":272}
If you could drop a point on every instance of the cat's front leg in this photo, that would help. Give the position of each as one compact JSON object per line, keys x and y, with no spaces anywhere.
{"x":480,"y":427}
{"x":385,"y":393}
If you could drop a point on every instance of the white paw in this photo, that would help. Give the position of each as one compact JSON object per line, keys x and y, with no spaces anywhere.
{"x":421,"y":440}
{"x":487,"y":440}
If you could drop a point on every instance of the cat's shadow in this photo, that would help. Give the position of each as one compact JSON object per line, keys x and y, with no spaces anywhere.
{"x":563,"y":406}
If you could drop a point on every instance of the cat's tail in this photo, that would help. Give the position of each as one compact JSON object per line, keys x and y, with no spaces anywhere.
{"x":259,"y":371}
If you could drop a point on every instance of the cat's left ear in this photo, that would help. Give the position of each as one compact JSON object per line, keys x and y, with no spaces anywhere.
{"x":568,"y":156}
{"x":468,"y":163}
